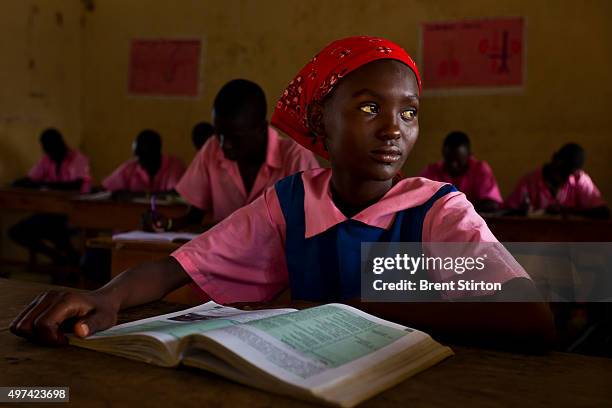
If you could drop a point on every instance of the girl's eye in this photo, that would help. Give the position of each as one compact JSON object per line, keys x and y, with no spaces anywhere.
{"x":369,"y":108}
{"x":409,"y":114}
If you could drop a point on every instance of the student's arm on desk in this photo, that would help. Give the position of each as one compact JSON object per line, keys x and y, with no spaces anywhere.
{"x":497,"y":322}
{"x":52,"y":312}
{"x":64,"y":185}
{"x":193,"y":217}
{"x":27,"y":182}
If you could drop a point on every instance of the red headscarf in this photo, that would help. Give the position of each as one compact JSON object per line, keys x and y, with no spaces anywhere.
{"x":317,"y":79}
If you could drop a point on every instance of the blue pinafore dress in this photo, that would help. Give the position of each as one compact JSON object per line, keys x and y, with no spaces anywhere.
{"x":326,"y":267}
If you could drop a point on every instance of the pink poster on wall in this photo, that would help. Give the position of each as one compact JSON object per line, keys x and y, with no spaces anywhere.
{"x":473,"y":54}
{"x":165,"y":67}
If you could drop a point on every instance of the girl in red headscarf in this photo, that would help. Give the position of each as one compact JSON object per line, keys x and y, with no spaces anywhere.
{"x":357,"y":104}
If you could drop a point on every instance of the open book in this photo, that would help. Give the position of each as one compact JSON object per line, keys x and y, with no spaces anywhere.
{"x":334,"y":353}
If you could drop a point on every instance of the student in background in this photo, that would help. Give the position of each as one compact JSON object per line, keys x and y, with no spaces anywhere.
{"x":60,"y":168}
{"x":357,"y":104}
{"x":560,"y":187}
{"x":149,"y":171}
{"x":200,"y":133}
{"x":245,"y":157}
{"x":471,"y":176}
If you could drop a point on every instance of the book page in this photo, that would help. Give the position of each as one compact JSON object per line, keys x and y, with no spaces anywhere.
{"x":318,"y":346}
{"x":162,"y":339}
{"x":198,"y":319}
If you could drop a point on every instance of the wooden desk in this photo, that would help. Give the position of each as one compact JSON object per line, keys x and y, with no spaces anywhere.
{"x":115,"y":215}
{"x":126,"y":254}
{"x":31,"y":200}
{"x":87,"y":214}
{"x":548,"y":229}
{"x":472,"y":378}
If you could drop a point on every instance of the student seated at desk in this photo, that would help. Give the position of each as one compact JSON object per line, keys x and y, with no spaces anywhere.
{"x":200,"y":133}
{"x":560,"y":187}
{"x":60,"y":168}
{"x":472,"y":177}
{"x":237,"y":165}
{"x":357,"y":104}
{"x":149,"y":171}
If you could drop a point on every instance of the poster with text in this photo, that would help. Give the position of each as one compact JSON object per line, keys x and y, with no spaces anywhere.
{"x":165,"y":67}
{"x":473,"y":54}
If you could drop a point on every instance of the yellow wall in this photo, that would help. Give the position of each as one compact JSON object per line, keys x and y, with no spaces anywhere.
{"x":40,"y":78}
{"x":569,"y":54}
{"x":268,"y":41}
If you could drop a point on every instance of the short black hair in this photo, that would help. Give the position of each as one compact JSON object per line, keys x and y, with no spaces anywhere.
{"x":200,"y":133}
{"x":239,"y":97}
{"x":149,"y":138}
{"x":51,"y":136}
{"x":457,"y":139}
{"x":572,"y":154}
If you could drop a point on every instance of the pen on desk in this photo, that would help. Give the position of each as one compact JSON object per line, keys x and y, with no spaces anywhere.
{"x":153,"y":209}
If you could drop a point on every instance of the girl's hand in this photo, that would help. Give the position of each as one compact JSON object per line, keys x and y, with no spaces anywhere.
{"x":53,"y":313}
{"x":162,"y":224}
{"x":159,"y":223}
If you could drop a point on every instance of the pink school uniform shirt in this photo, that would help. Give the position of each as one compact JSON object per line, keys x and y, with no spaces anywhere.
{"x":578,"y":192}
{"x":214,"y":184}
{"x":478,"y":183}
{"x":75,"y":166}
{"x":131,"y":176}
{"x":242,"y":259}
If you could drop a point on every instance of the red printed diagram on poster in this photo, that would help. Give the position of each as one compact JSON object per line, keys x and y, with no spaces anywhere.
{"x":164,"y":67}
{"x":473,"y":54}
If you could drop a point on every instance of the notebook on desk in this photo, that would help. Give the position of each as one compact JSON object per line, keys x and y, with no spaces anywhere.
{"x":99,"y":196}
{"x":161,"y":200}
{"x":155,"y":236}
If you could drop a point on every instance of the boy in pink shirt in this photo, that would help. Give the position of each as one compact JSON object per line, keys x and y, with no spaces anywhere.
{"x":355,"y":103}
{"x":472,"y":177}
{"x":60,"y":168}
{"x":150,"y":171}
{"x":244,"y":158}
{"x":214,"y":184}
{"x":560,"y":187}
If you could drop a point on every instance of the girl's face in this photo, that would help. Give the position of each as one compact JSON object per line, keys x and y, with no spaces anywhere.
{"x":370,"y":120}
